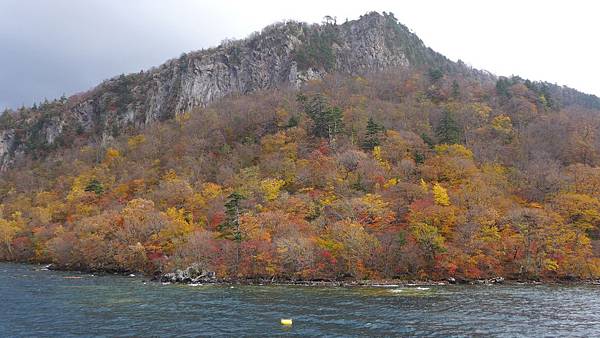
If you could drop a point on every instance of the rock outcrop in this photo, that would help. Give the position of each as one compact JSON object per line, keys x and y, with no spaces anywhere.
{"x":283,"y":54}
{"x":190,"y":275}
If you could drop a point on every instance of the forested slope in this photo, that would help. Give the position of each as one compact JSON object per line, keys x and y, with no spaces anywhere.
{"x":419,"y":171}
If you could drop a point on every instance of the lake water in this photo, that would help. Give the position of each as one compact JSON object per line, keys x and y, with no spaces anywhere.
{"x":48,"y":303}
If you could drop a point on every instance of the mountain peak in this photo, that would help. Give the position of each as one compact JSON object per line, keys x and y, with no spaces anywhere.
{"x":285,"y":54}
{"x":282,"y":54}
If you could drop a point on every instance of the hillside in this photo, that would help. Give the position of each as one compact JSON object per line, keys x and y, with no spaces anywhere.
{"x":285,"y":54}
{"x":309,"y":151}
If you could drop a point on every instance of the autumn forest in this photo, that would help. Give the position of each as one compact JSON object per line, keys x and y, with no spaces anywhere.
{"x":399,"y":174}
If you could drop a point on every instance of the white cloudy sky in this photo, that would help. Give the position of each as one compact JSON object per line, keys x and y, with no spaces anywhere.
{"x":51,"y":47}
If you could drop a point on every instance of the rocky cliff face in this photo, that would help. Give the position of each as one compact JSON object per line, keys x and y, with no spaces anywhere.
{"x":281,"y":55}
{"x":285,"y":54}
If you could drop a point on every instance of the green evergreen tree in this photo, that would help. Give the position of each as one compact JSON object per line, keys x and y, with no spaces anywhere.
{"x":448,"y":131}
{"x":455,"y":89}
{"x":502,"y":86}
{"x":327,"y":119}
{"x":292,"y":122}
{"x":230,"y":228}
{"x":435,"y":74}
{"x":372,"y":136}
{"x":427,"y":139}
{"x":94,"y":186}
{"x":419,"y":157}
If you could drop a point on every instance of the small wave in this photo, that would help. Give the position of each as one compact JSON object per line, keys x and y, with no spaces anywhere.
{"x":422,"y":288}
{"x":396,"y":290}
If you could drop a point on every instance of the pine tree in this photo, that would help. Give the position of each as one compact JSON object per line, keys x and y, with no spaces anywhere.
{"x":292,"y":122}
{"x":435,"y":74}
{"x":327,"y":119}
{"x":95,"y":186}
{"x":448,"y":131}
{"x":427,"y":140}
{"x":455,"y":90}
{"x":230,"y":228}
{"x":419,"y":157}
{"x":502,"y":87}
{"x":372,"y":135}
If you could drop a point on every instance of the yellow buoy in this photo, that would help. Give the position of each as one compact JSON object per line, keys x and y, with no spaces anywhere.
{"x":286,"y":322}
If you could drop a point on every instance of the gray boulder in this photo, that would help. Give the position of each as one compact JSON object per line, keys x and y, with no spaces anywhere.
{"x":194,"y":273}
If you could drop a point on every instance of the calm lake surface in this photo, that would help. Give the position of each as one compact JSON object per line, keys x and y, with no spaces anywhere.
{"x":45,"y":303}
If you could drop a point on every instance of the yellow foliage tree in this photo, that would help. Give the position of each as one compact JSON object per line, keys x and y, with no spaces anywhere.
{"x":502,"y":124}
{"x":179,"y":226}
{"x":440,"y":195}
{"x":424,"y":186}
{"x":457,"y":150}
{"x":111,"y":155}
{"x":429,"y":239}
{"x":390,"y":183}
{"x":211,"y":190}
{"x":78,"y":187}
{"x":378,"y":155}
{"x":271,"y":187}
{"x":8,"y":231}
{"x":183,"y":118}
{"x":135,"y":141}
{"x":170,"y":175}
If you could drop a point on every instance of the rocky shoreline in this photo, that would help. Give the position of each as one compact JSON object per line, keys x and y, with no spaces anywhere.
{"x":197,"y":275}
{"x":194,"y":275}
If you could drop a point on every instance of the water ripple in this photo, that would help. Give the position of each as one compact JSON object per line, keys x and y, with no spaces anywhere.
{"x":45,"y":303}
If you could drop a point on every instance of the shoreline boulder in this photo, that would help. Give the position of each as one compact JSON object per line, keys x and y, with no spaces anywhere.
{"x":192,"y":274}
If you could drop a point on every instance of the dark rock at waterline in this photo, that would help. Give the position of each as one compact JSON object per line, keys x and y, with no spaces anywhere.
{"x":496,"y":280}
{"x":191,"y":274}
{"x":460,"y":280}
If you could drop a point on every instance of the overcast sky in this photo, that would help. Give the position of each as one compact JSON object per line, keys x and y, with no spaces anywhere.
{"x":54,"y":47}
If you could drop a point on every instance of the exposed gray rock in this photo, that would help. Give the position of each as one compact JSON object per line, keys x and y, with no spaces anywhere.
{"x":281,"y":55}
{"x":496,"y":280}
{"x":7,"y":139}
{"x":192,"y":274}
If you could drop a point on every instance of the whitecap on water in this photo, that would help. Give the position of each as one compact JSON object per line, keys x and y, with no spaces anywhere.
{"x":422,"y":288}
{"x":396,"y":290}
